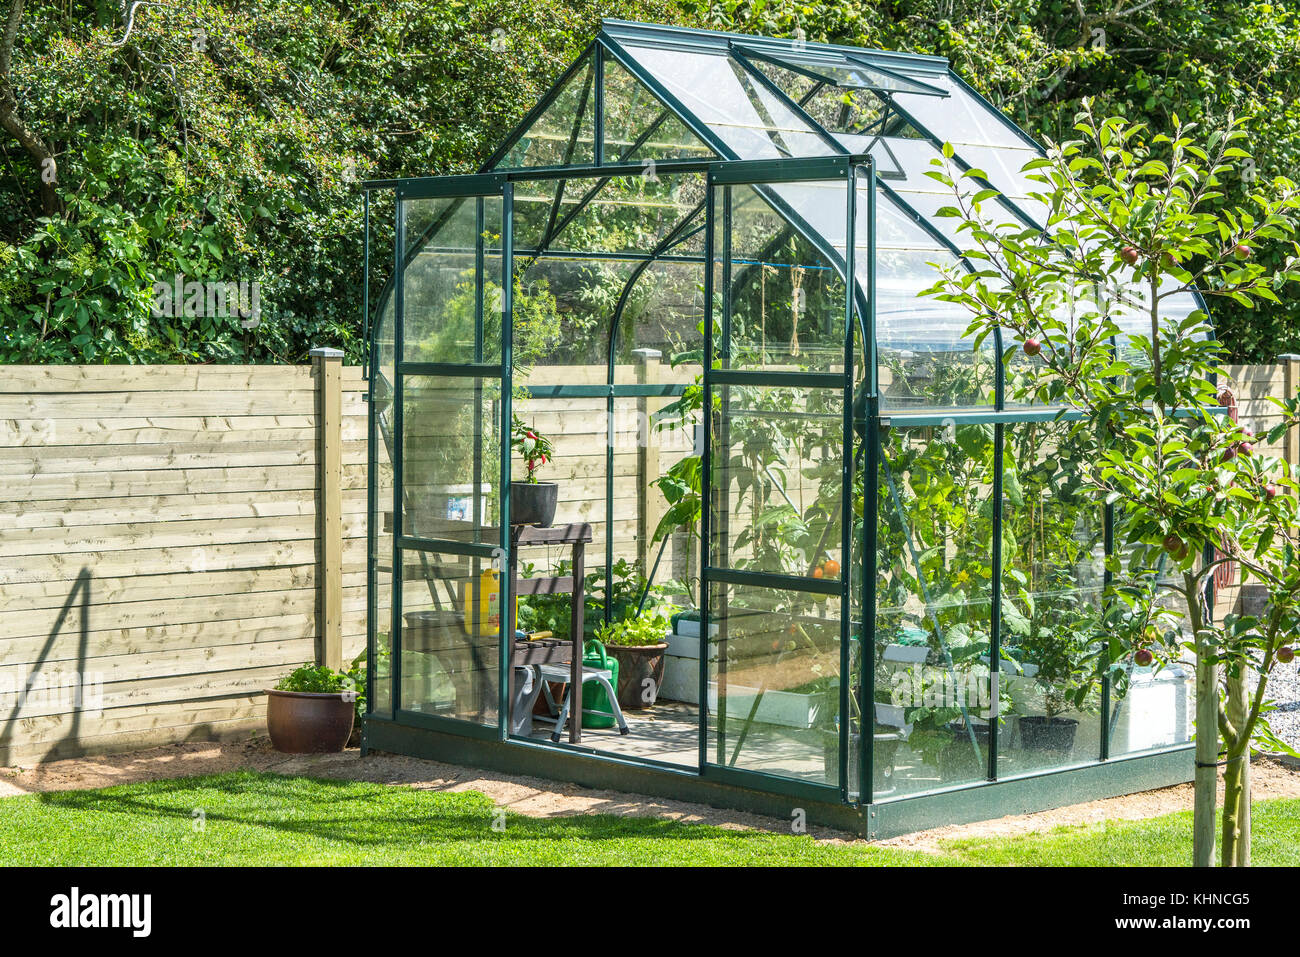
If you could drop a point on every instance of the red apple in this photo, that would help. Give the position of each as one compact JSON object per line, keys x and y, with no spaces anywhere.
{"x":1173,"y":544}
{"x":1130,"y":255}
{"x":1285,"y":655}
{"x":1229,"y":453}
{"x":1241,"y":251}
{"x":1032,"y":347}
{"x":1271,"y":491}
{"x":1245,"y":447}
{"x":1143,"y":657}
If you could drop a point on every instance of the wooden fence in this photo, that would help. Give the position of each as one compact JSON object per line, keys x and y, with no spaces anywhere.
{"x":174,"y":539}
{"x":1252,"y":387}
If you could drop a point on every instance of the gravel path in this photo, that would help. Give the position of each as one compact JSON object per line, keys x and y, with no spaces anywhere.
{"x":1284,"y":688}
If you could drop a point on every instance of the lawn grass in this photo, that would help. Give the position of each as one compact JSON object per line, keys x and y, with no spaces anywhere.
{"x":253,"y":818}
{"x":270,"y":819}
{"x":1154,"y":842}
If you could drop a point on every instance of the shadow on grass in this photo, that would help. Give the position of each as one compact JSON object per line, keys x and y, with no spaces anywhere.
{"x":364,"y":814}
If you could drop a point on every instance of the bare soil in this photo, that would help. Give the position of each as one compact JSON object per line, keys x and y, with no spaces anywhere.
{"x":540,"y":798}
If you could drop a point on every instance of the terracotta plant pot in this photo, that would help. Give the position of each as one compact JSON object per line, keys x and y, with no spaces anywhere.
{"x":640,"y":673}
{"x":533,"y":504}
{"x":306,"y":723}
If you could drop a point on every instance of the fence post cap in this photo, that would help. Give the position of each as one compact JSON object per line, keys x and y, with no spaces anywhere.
{"x":1290,"y":356}
{"x":645,"y":355}
{"x":326,"y":352}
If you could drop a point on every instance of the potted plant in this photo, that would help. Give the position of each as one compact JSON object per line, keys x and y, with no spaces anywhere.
{"x":532,"y":502}
{"x":1064,"y":678}
{"x":638,"y":642}
{"x":311,"y":710}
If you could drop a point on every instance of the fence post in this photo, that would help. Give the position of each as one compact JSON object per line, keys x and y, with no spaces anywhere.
{"x":1291,"y":378}
{"x":327,"y":373}
{"x":647,"y":456}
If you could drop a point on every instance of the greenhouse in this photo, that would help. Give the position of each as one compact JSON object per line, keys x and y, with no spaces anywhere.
{"x":680,"y":485}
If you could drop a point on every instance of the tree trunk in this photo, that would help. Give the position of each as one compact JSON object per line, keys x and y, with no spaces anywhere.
{"x":1243,"y":811}
{"x":13,"y":123}
{"x":1206,"y":780}
{"x":1207,"y":753}
{"x":1236,"y":776}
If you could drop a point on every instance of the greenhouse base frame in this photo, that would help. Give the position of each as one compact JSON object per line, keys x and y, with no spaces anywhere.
{"x":882,"y":820}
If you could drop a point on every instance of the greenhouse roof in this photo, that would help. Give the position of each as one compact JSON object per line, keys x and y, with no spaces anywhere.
{"x":645,"y":94}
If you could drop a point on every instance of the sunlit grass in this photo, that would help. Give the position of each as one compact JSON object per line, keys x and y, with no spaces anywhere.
{"x":248,"y":818}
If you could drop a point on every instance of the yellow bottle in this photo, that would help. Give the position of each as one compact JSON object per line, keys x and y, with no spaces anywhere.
{"x":488,"y":589}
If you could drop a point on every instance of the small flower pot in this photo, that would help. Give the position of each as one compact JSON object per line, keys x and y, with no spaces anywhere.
{"x":533,"y":503}
{"x":305,"y":723}
{"x":640,"y":673}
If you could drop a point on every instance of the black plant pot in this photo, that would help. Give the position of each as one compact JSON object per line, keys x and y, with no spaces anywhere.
{"x":533,"y":503}
{"x":1041,"y":733}
{"x":958,"y":761}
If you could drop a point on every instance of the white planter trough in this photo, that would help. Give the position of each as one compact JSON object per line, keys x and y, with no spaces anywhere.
{"x":905,"y":654}
{"x":776,"y":707}
{"x":682,"y":666}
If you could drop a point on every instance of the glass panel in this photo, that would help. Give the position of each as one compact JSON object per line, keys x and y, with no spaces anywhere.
{"x":1053,"y":552}
{"x":960,"y":118}
{"x":451,"y":464}
{"x":774,"y":685}
{"x":451,"y":631}
{"x":625,"y":214}
{"x":934,"y":608}
{"x":381,"y":519}
{"x":925,"y":361}
{"x":786,"y":298}
{"x":565,"y":133}
{"x":452,"y":311}
{"x":845,"y":71}
{"x":1154,"y":707}
{"x":664,"y":314}
{"x":751,"y":120}
{"x":579,"y":433}
{"x":637,"y":124}
{"x":562,"y":313}
{"x":778,"y":486}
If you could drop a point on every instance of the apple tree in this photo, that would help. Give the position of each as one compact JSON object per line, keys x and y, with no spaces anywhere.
{"x":1097,"y":314}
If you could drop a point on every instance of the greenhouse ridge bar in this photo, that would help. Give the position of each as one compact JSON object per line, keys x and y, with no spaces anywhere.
{"x":697,"y":268}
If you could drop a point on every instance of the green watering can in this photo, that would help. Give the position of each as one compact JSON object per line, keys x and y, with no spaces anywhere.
{"x":594,"y":697}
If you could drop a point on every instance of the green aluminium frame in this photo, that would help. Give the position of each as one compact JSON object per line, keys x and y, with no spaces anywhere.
{"x":865,"y":424}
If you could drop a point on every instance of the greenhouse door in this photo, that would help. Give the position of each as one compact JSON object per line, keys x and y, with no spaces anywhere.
{"x":451,"y":407}
{"x":778,"y":512}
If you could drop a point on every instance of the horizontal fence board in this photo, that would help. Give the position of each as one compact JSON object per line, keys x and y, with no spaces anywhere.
{"x":67,"y":645}
{"x":157,"y":690}
{"x":160,"y":430}
{"x":34,"y":595}
{"x":183,"y":534}
{"x":34,"y":462}
{"x":155,"y":378}
{"x":105,"y":484}
{"x":49,"y":729}
{"x":109,"y":670}
{"x":82,"y":405}
{"x":69,"y":513}
{"x":147,"y":560}
{"x":25,"y":755}
{"x":99,"y":616}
